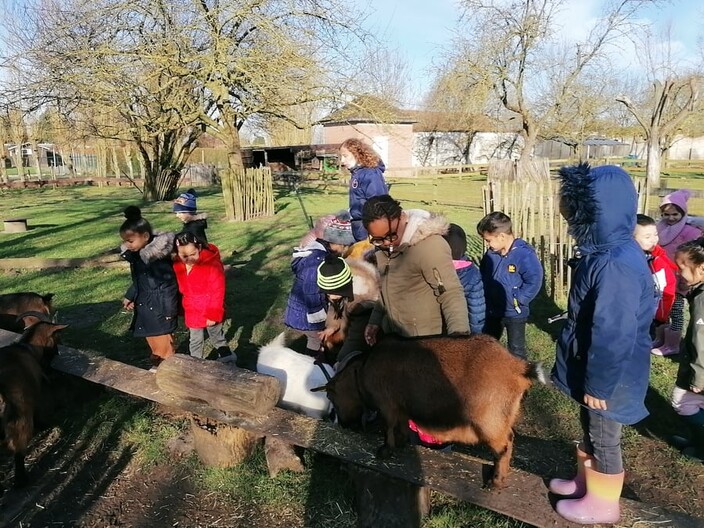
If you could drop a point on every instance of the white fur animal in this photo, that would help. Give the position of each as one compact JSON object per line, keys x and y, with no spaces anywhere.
{"x":297,"y":375}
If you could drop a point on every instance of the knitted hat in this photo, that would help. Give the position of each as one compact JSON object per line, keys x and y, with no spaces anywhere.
{"x":678,"y":198}
{"x":457,"y":239}
{"x":186,"y":202}
{"x":335,"y":277}
{"x":339,"y":231}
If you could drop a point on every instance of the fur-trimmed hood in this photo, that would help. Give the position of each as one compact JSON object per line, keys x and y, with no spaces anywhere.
{"x":199,"y":216}
{"x":600,"y":205}
{"x":160,"y":246}
{"x":365,"y":282}
{"x":421,"y":225}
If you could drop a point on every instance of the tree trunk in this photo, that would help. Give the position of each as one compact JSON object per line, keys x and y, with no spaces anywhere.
{"x":530,"y":141}
{"x":233,"y":177}
{"x":652,"y":164}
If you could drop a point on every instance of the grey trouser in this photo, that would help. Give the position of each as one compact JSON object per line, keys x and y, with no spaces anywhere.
{"x":197,"y":338}
{"x":602,"y":440}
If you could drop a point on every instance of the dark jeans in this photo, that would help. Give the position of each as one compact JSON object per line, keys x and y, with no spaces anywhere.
{"x":602,"y":440}
{"x":515,"y":331}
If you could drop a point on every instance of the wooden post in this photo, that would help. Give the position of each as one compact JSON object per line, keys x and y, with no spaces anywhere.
{"x":385,"y":502}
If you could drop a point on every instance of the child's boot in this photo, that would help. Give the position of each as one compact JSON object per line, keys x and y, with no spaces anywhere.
{"x":225,"y":355}
{"x":601,"y":502}
{"x":659,"y":339}
{"x":671,"y":344}
{"x":572,"y":488}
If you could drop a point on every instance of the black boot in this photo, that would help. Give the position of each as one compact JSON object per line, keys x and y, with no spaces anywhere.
{"x":225,"y":355}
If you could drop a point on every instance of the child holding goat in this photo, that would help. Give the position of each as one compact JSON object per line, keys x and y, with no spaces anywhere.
{"x":201,"y":281}
{"x":306,"y":307}
{"x":153,"y":295}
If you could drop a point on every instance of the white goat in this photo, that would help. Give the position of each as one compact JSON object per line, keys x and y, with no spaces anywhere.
{"x":297,"y":375}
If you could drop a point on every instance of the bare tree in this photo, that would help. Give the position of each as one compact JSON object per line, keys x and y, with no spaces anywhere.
{"x":671,"y":97}
{"x":515,"y":44}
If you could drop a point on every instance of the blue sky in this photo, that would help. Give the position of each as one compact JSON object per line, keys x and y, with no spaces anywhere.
{"x":420,"y":29}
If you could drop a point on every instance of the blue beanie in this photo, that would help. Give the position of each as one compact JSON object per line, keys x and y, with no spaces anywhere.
{"x":186,"y":202}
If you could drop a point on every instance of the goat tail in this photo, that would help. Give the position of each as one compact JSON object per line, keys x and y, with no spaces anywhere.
{"x":536,"y":372}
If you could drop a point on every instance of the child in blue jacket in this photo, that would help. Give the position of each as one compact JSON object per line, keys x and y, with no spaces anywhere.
{"x":512,"y":276}
{"x":306,"y":309}
{"x":602,"y":357}
{"x":470,"y":278}
{"x":366,"y":179}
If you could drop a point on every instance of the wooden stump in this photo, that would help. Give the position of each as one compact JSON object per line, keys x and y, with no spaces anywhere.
{"x":385,"y":502}
{"x":221,"y":445}
{"x":15,"y":225}
{"x":222,"y":386}
{"x":281,"y":455}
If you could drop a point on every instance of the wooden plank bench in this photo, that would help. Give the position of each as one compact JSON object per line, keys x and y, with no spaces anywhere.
{"x":525,"y":498}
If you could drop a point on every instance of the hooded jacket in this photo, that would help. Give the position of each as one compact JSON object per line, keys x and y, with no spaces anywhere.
{"x":664,"y":275}
{"x":154,"y":290}
{"x":203,"y":288}
{"x":471,"y":281}
{"x":604,"y":347}
{"x":420,"y":292}
{"x":511,"y":281}
{"x":306,"y":306}
{"x":365,"y":182}
{"x":671,"y":236}
{"x":691,"y":370}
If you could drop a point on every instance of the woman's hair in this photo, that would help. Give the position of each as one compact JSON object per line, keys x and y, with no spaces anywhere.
{"x":186,"y":237}
{"x":694,"y":250}
{"x":381,"y":206}
{"x":135,"y":223}
{"x":363,"y":153}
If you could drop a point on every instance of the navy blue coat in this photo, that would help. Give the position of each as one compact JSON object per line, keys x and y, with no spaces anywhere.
{"x":510,"y":280}
{"x":365,"y":182}
{"x":604,"y":347}
{"x":471,"y":281}
{"x":154,"y":290}
{"x":307,"y":304}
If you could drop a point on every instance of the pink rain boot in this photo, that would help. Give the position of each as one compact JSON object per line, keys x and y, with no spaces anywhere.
{"x":572,"y":488}
{"x":659,"y":339}
{"x":601,"y":502}
{"x":671,"y":344}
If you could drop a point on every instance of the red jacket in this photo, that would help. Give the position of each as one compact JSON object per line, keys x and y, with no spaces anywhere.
{"x":203,"y":288}
{"x":664,"y":273}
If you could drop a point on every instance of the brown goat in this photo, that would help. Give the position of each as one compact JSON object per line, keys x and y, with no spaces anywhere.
{"x":464,"y":389}
{"x":23,"y":367}
{"x":13,"y":305}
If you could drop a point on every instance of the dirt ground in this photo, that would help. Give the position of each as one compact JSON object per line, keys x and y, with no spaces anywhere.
{"x":85,"y":478}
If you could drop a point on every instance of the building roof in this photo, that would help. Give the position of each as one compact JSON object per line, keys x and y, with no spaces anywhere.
{"x":368,"y":109}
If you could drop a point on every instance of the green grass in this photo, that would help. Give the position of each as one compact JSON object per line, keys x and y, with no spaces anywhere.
{"x":84,"y":222}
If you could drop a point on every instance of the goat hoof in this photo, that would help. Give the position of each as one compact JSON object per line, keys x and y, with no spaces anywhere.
{"x":384,"y":452}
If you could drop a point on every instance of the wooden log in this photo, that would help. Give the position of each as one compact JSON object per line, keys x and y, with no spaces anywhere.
{"x":224,"y":387}
{"x":220,"y":445}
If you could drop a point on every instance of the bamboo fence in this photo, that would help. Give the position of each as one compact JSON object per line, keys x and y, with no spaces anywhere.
{"x":533,"y":206}
{"x":252,"y":192}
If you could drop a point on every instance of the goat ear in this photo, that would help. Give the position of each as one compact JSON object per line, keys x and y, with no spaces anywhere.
{"x":58,"y":327}
{"x":322,"y":388}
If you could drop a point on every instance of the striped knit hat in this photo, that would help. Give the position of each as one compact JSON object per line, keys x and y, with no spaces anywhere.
{"x":335,"y":277}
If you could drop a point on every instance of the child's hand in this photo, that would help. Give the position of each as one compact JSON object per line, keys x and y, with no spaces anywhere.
{"x":594,"y":403}
{"x":127,"y":304}
{"x":370,"y":334}
{"x":695,"y":390}
{"x":208,"y":322}
{"x":326,"y":334}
